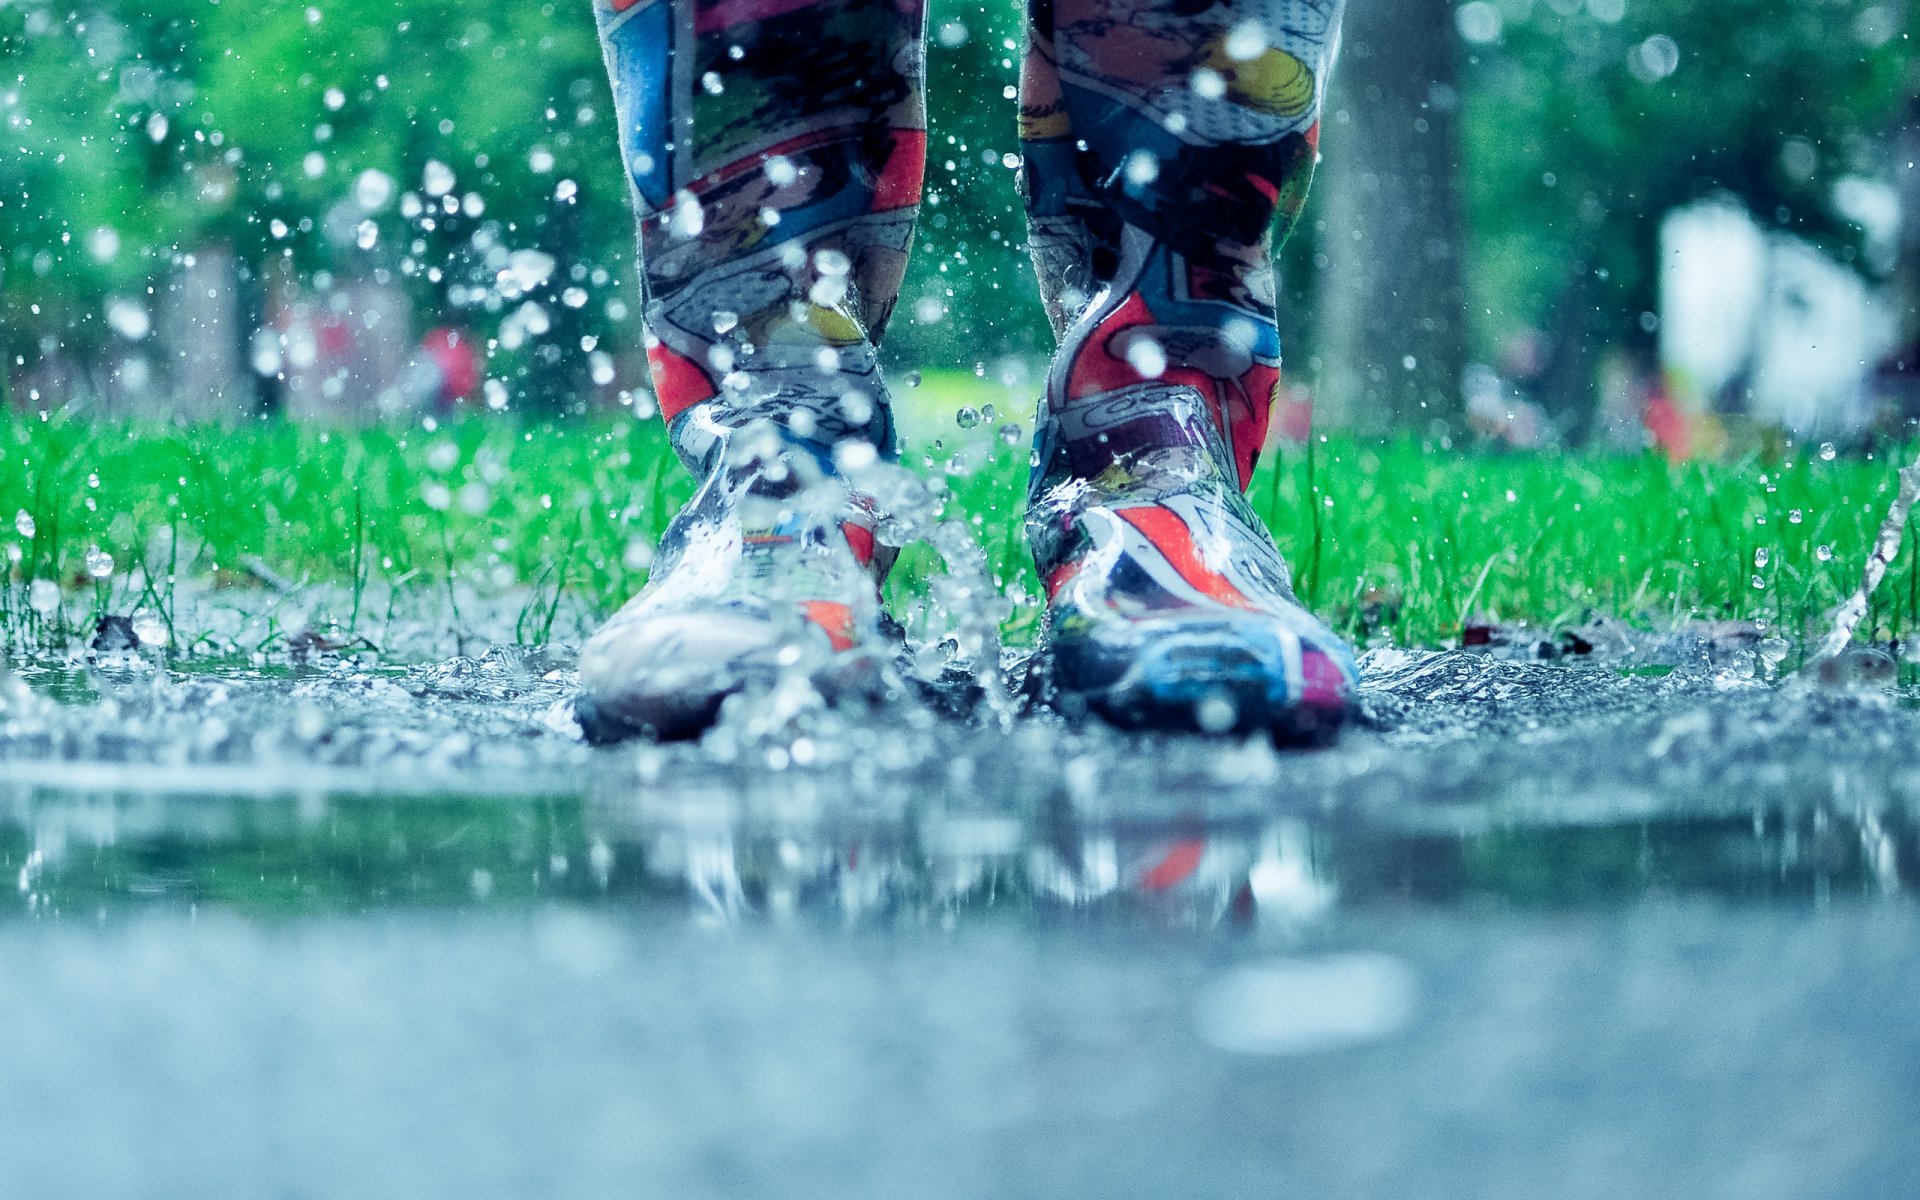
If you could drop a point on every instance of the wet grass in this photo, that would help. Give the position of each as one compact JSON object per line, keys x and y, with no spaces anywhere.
{"x":1401,"y":541}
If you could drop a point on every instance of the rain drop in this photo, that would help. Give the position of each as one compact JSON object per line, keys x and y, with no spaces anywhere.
{"x":1246,"y":41}
{"x":1145,"y":356}
{"x":1208,"y":84}
{"x":687,"y":219}
{"x":437,"y":178}
{"x":44,"y":597}
{"x":373,"y":190}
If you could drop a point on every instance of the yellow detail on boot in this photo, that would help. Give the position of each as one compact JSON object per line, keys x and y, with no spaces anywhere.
{"x":813,"y":325}
{"x":1275,"y":82}
{"x":1038,"y":124}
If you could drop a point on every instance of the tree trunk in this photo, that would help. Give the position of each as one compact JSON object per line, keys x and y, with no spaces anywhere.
{"x":1392,"y":297}
{"x":1906,"y":290}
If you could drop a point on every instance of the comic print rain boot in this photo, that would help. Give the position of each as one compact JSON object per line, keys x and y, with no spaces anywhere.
{"x":1167,"y":143}
{"x":776,"y":149}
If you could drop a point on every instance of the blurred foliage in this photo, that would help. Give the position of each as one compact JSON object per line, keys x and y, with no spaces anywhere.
{"x":138,"y":131}
{"x":1588,"y":120}
{"x":144,"y":131}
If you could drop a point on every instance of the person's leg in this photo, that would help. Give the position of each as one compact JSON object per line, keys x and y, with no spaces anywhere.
{"x":1167,"y":143}
{"x":776,"y":149}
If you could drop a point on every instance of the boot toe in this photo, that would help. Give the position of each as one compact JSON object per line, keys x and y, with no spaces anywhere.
{"x":665,"y":676}
{"x":1205,"y":674}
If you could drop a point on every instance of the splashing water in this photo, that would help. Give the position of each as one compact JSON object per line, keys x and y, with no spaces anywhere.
{"x":1886,"y":544}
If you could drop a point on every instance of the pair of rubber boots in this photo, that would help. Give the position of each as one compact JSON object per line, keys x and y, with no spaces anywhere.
{"x":1169,"y":606}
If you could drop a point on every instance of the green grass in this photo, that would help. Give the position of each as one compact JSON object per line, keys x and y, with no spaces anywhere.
{"x":1393,"y":541}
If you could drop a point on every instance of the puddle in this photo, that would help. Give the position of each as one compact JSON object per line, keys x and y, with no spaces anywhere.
{"x":1520,"y":933}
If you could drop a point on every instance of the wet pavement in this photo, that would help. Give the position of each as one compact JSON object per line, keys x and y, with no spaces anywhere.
{"x":1622,"y":924}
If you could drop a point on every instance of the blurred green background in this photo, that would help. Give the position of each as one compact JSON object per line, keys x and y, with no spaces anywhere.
{"x":211,"y":210}
{"x":1496,"y":177}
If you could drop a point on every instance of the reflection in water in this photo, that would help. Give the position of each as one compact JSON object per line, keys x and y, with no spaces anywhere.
{"x":756,"y":854}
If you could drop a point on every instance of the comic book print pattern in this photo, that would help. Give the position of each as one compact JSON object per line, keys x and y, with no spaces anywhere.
{"x":1168,"y":148}
{"x":776,"y":149}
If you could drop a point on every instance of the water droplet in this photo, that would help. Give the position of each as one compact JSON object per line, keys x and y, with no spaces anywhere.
{"x":1145,"y":356}
{"x":831,"y":262}
{"x":1794,"y":516}
{"x":528,"y":269}
{"x":99,"y":562}
{"x":828,"y":291}
{"x":1208,"y":84}
{"x":781,"y":171}
{"x":44,"y":597}
{"x":1246,"y":41}
{"x":710,"y":82}
{"x":1010,"y":433}
{"x":149,"y":627}
{"x":1827,"y":452}
{"x":967,"y":417}
{"x":1216,"y":713}
{"x":688,"y":218}
{"x":600,"y":367}
{"x":854,"y":455}
{"x":437,"y":178}
{"x":1823,"y":553}
{"x":128,"y":318}
{"x":1143,"y":167}
{"x":373,"y":190}
{"x":23,"y":521}
{"x":1760,"y":557}
{"x":725,"y":322}
{"x":638,"y":555}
